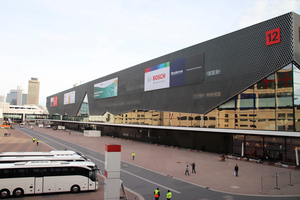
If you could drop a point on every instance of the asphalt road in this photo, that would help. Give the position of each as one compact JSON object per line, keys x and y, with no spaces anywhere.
{"x":143,"y":181}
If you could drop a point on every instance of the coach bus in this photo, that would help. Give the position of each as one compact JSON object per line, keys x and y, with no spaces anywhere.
{"x":47,"y":153}
{"x":37,"y":177}
{"x":70,"y":156}
{"x":13,"y":159}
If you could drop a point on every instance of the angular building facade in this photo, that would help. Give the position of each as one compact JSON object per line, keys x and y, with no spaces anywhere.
{"x":237,"y":94}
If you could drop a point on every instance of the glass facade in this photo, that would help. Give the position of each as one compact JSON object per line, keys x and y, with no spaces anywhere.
{"x":296,"y":73}
{"x":84,"y":109}
{"x":271,"y":104}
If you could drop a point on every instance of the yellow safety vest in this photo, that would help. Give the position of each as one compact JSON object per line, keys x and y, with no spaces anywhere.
{"x":133,"y":154}
{"x":169,"y":195}
{"x":156,"y":193}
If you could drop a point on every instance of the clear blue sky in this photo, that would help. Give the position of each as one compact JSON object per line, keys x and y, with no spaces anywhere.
{"x":63,"y":42}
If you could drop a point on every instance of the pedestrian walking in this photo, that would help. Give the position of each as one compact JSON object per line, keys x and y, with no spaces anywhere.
{"x":193,"y":168}
{"x":169,"y":195}
{"x":156,"y":194}
{"x":69,"y":132}
{"x":236,"y":170}
{"x":31,"y":127}
{"x":133,"y":155}
{"x":187,"y":170}
{"x":37,"y":142}
{"x":33,"y":140}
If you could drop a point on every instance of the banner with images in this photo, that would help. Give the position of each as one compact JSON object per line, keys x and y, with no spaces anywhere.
{"x":157,"y":77}
{"x":178,"y":72}
{"x":69,"y":98}
{"x":53,"y":101}
{"x":106,"y":89}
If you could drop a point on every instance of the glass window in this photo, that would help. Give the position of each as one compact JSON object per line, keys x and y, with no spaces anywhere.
{"x":267,"y":83}
{"x":247,"y":101}
{"x":266,"y":100}
{"x":281,"y":115}
{"x":238,"y":141}
{"x":284,"y":99}
{"x":297,"y":97}
{"x":285,"y":77}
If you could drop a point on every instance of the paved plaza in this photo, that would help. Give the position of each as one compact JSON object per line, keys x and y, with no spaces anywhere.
{"x":211,"y":173}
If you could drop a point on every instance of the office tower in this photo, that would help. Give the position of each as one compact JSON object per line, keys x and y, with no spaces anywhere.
{"x":15,"y":96}
{"x":2,"y":98}
{"x":33,"y":91}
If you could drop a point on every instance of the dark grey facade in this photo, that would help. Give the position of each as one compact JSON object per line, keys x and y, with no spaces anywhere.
{"x":241,"y":58}
{"x":247,"y":81}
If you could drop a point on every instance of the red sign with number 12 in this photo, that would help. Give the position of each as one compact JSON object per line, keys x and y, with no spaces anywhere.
{"x":273,"y":36}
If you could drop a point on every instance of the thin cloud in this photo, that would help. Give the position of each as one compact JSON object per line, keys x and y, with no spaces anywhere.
{"x":56,"y":38}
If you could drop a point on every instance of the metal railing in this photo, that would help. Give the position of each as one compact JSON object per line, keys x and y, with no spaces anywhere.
{"x":277,"y":181}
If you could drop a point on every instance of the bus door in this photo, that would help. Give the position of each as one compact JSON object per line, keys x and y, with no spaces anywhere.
{"x":38,"y":189}
{"x":93,"y":180}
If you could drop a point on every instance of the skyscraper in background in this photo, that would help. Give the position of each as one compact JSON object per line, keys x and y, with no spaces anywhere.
{"x":2,"y":98}
{"x":15,"y":97}
{"x":33,"y":91}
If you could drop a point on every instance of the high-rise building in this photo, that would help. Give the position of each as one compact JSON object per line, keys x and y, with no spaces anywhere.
{"x":15,"y":96}
{"x":33,"y":91}
{"x":2,"y":98}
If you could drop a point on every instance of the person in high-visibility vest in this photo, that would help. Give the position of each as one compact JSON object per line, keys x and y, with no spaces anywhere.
{"x":37,"y":142}
{"x":156,"y":194}
{"x":169,"y":195}
{"x":133,"y":155}
{"x":33,"y":140}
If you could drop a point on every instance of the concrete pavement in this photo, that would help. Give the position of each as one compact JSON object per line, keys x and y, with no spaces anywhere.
{"x":211,"y":173}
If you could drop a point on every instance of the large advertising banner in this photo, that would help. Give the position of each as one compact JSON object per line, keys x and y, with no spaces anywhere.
{"x":194,"y":69}
{"x":106,"y":89}
{"x":179,"y":72}
{"x":157,"y":77}
{"x":69,"y":98}
{"x":53,"y":101}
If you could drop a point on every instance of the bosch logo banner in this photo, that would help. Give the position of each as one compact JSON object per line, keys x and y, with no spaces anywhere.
{"x":157,"y":77}
{"x":178,"y":72}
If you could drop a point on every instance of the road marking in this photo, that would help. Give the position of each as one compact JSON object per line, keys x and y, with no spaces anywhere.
{"x":151,"y":182}
{"x":104,"y":162}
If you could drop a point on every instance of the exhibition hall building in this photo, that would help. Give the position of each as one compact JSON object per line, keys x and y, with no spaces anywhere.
{"x":235,"y":94}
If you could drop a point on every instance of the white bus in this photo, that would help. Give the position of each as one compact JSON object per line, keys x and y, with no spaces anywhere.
{"x":13,"y":159}
{"x":37,"y":177}
{"x":68,"y":155}
{"x":47,"y":153}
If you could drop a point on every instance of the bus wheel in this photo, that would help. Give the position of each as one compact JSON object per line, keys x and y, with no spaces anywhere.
{"x":4,"y":193}
{"x":75,"y":188}
{"x":18,"y":192}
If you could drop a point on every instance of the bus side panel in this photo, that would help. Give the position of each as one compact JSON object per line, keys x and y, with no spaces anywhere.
{"x":4,"y":184}
{"x":59,"y":186}
{"x":49,"y":183}
{"x":67,"y":186}
{"x":38,"y":189}
{"x":81,"y":181}
{"x":64,"y":183}
{"x":26,"y":184}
